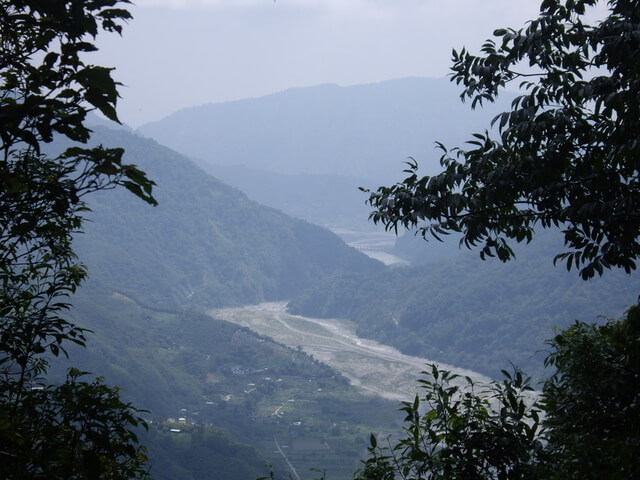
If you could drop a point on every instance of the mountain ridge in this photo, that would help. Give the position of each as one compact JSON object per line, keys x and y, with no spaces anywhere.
{"x":365,"y":131}
{"x":206,"y":243}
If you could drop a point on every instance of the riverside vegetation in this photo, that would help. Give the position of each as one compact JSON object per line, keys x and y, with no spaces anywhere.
{"x":236,"y":390}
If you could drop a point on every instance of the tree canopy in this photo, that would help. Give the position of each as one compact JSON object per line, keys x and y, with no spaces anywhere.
{"x":591,"y":402}
{"x":76,"y":429}
{"x":565,"y":155}
{"x":585,"y":425}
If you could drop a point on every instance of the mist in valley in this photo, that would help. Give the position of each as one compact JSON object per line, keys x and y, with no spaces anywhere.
{"x":257,"y":315}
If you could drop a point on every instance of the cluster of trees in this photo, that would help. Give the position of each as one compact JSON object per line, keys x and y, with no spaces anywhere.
{"x":567,"y":155}
{"x":583,"y":425}
{"x":198,"y":452}
{"x":168,"y":362}
{"x":79,"y":428}
{"x":52,"y":172}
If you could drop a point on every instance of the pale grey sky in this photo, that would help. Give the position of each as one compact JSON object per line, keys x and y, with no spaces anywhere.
{"x":181,"y":53}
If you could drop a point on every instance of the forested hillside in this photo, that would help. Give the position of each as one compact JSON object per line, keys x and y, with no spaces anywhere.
{"x":205,"y":244}
{"x":411,"y":247}
{"x":329,"y":200}
{"x":152,"y":272}
{"x":469,"y":313}
{"x":226,"y":382}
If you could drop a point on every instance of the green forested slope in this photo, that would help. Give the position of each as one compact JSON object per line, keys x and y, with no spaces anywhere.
{"x":417,"y":251}
{"x":330,"y":200}
{"x":201,"y":453}
{"x":470,"y":313}
{"x":206,"y":244}
{"x":227,"y":382}
{"x":153,"y":270}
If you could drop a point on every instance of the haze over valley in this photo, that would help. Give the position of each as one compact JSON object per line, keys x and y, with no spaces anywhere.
{"x":304,"y":239}
{"x":209,"y":247}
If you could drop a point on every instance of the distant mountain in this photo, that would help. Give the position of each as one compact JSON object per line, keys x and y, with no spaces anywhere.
{"x":206,"y":244}
{"x":365,"y":131}
{"x":329,"y":200}
{"x":469,"y":313}
{"x":307,"y":150}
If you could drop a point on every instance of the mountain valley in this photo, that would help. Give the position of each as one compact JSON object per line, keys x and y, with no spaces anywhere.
{"x":208,"y":247}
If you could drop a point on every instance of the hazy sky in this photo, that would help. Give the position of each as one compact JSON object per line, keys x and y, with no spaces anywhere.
{"x":180,"y":53}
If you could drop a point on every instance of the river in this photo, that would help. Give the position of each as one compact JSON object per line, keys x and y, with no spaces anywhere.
{"x":376,"y":243}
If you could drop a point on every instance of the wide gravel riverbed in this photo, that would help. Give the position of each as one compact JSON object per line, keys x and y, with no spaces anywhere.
{"x":369,"y":365}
